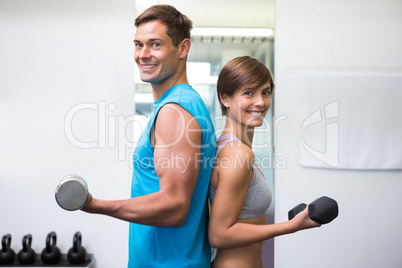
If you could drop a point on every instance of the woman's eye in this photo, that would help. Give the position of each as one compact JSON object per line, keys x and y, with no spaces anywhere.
{"x":248,"y":93}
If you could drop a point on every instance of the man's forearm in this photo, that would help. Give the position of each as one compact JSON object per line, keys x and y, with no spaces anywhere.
{"x":153,"y":209}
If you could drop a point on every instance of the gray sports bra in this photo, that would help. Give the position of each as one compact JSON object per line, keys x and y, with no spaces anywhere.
{"x":259,"y":196}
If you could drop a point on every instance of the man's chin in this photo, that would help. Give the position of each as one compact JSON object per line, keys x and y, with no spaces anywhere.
{"x":146,"y":79}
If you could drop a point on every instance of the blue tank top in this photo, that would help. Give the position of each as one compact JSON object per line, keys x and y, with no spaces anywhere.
{"x":259,"y":196}
{"x":187,"y":245}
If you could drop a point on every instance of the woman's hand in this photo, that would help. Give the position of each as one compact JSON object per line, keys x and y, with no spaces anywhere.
{"x":302,"y":221}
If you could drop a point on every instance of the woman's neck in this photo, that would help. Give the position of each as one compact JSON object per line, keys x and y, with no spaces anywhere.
{"x":243,"y":133}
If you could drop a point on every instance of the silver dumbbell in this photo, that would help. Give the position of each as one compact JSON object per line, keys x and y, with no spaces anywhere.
{"x":72,"y":193}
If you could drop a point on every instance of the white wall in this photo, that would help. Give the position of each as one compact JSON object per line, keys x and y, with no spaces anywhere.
{"x":55,"y":55}
{"x":345,"y":36}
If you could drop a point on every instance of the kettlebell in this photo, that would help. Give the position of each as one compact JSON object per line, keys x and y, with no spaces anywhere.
{"x":7,"y":254}
{"x":77,"y":254}
{"x":51,"y":253}
{"x":27,"y":254}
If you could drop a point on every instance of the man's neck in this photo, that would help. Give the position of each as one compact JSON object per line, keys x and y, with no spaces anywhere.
{"x":158,"y":89}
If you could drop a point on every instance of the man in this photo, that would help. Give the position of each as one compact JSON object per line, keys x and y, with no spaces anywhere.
{"x":168,"y":211}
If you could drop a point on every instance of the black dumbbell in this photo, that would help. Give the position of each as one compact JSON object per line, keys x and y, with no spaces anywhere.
{"x":322,"y":210}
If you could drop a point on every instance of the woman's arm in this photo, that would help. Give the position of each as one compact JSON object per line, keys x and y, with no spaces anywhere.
{"x":231,"y":191}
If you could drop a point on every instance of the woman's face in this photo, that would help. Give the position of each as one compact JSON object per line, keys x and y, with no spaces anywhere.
{"x":249,"y":106}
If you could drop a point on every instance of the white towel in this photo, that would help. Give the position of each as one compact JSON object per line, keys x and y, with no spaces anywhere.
{"x":349,"y":120}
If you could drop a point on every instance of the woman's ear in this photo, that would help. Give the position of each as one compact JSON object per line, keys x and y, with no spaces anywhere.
{"x":225,"y":100}
{"x":185,"y":48}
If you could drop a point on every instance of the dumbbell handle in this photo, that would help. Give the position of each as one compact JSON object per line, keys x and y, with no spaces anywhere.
{"x":322,"y":210}
{"x":296,"y":210}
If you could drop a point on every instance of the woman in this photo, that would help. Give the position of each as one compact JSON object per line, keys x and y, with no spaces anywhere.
{"x":239,"y":194}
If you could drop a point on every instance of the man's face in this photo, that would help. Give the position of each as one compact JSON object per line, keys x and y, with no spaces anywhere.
{"x":156,"y":56}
